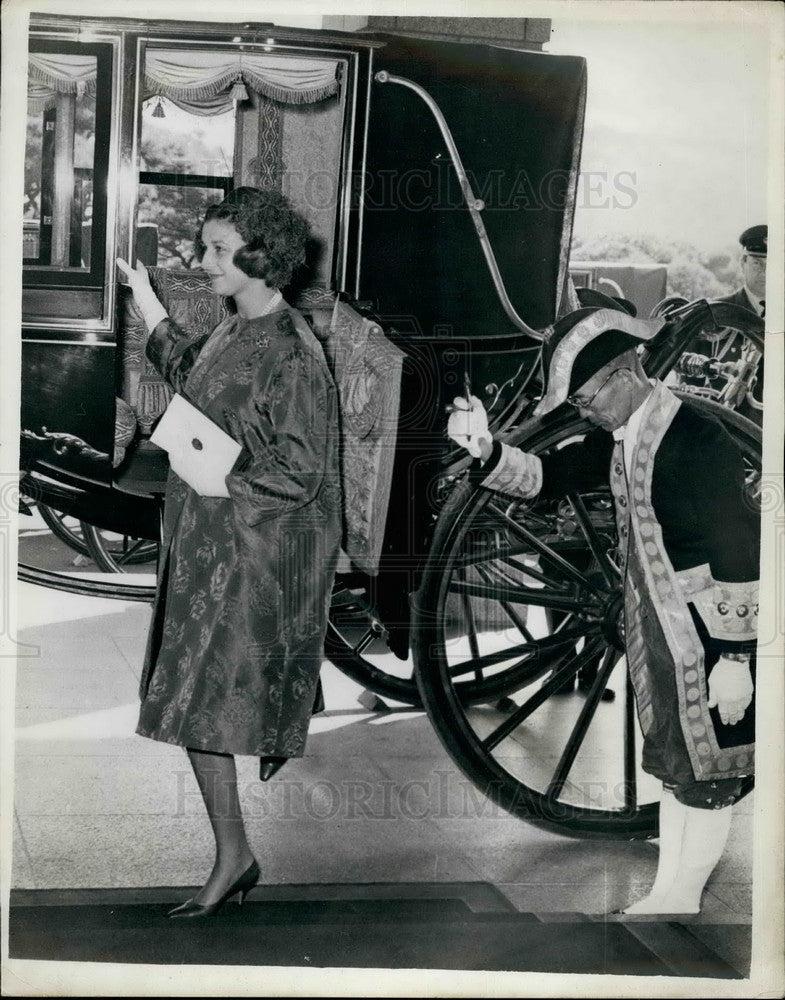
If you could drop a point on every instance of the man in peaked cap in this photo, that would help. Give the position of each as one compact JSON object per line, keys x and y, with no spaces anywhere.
{"x":752,"y":296}
{"x":688,"y":552}
{"x":729,"y":345}
{"x":754,"y":249}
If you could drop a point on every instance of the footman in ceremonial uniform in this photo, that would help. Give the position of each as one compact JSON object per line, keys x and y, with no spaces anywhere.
{"x":689,"y":552}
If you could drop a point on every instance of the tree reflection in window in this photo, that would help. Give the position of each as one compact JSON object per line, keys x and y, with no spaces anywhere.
{"x":59,"y":162}
{"x":186,"y":165}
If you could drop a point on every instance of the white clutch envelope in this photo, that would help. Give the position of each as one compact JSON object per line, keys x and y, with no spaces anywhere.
{"x":199,"y":451}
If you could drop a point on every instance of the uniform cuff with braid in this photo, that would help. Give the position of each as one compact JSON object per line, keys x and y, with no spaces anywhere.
{"x":729,"y":610}
{"x":509,"y":470}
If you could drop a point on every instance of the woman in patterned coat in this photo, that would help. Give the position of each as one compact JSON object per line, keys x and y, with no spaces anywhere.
{"x":246,"y":572}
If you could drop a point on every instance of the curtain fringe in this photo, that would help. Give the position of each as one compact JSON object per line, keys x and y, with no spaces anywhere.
{"x":58,"y":84}
{"x":213,"y":89}
{"x":285,"y":95}
{"x":38,"y":105}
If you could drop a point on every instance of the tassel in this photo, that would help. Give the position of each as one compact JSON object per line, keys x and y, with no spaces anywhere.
{"x":239,"y":93}
{"x":158,"y":110}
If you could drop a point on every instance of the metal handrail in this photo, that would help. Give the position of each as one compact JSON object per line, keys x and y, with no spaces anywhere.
{"x":474,"y":204}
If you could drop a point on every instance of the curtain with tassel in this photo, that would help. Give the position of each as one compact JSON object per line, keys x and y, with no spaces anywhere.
{"x":201,"y":82}
{"x":208,"y":82}
{"x":50,"y":74}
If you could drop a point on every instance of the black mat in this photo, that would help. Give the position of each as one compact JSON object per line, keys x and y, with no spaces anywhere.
{"x":384,"y":932}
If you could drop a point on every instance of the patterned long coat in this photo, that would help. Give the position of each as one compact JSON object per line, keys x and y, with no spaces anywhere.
{"x":244,"y":584}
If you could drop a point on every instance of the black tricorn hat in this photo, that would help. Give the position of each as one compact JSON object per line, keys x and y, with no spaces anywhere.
{"x":593,"y":297}
{"x":585,"y":341}
{"x":755,"y":240}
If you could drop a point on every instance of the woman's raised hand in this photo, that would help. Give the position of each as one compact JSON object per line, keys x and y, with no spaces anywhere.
{"x":149,"y":305}
{"x":468,"y":424}
{"x":138,"y":278}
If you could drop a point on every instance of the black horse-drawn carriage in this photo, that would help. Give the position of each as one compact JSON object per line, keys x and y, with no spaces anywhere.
{"x":439,"y":180}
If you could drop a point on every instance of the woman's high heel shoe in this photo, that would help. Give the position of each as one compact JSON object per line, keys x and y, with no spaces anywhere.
{"x":189,"y":910}
{"x":268,"y":766}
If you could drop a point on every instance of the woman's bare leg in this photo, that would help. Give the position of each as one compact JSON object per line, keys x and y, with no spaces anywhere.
{"x":216,"y":776}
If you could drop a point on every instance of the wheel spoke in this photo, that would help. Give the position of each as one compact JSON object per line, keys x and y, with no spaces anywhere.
{"x":510,"y":554}
{"x":365,"y":641}
{"x":507,"y":554}
{"x":630,"y":769}
{"x":585,"y":718}
{"x":598,"y":550}
{"x":474,"y":646}
{"x":536,"y":646}
{"x":511,"y":613}
{"x":516,"y":619}
{"x":560,"y":675}
{"x":520,"y":595}
{"x":535,"y":574}
{"x":128,"y":553}
{"x":496,"y":575}
{"x":532,"y":668}
{"x":547,"y":553}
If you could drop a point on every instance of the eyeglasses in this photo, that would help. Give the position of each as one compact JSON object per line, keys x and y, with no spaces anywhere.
{"x":584,"y":404}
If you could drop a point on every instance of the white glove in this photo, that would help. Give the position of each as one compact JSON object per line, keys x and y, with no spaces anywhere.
{"x":149,"y":305}
{"x":468,"y":424}
{"x":730,"y":689}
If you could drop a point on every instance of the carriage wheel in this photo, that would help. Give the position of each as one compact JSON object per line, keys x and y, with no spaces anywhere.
{"x":114,"y":553}
{"x":355,"y":638}
{"x":720,"y":360}
{"x":356,"y":643}
{"x":525,"y":595}
{"x":64,"y":527}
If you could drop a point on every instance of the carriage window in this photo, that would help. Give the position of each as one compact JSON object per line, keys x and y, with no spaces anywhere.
{"x":186,"y":164}
{"x":218,"y":118}
{"x":59,"y":161}
{"x":66,"y":179}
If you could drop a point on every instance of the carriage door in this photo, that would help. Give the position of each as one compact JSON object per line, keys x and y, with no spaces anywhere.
{"x":68,"y":382}
{"x":516,"y":121}
{"x":465,"y":266}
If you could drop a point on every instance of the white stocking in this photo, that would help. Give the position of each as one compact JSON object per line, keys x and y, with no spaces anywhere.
{"x":691,"y":843}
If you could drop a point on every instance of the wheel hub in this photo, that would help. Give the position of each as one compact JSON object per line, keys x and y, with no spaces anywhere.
{"x":612,"y":623}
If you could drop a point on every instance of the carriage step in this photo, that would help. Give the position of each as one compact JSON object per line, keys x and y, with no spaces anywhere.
{"x":373,"y":702}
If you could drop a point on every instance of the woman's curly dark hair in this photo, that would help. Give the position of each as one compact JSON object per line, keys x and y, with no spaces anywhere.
{"x":275,"y":235}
